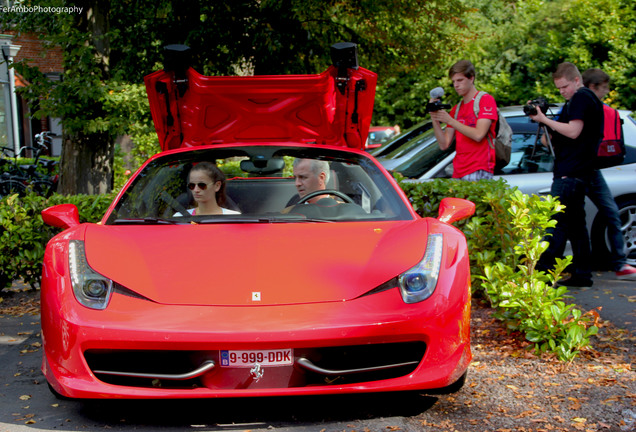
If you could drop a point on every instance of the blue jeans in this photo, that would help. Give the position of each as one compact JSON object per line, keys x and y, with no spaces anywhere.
{"x":570,"y":225}
{"x":602,"y":198}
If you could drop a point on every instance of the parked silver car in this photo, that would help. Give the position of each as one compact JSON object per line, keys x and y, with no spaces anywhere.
{"x":416,"y":155}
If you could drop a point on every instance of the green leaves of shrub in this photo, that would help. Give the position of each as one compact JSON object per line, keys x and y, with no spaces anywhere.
{"x":505,"y":240}
{"x":23,"y":234}
{"x":534,"y":303}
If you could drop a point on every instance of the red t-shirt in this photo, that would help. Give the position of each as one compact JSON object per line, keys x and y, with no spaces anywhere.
{"x":474,"y":155}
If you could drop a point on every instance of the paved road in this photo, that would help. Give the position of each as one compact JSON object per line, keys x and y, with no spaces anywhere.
{"x":27,"y":405}
{"x":617,"y":298}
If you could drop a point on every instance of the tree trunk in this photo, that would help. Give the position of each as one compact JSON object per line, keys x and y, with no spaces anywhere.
{"x":86,"y":164}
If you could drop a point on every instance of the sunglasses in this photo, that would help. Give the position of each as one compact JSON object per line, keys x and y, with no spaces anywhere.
{"x":202,"y":186}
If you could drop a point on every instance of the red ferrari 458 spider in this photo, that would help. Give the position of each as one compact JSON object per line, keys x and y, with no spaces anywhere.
{"x":261,"y":253}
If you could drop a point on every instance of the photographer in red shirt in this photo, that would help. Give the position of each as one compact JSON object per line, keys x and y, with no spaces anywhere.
{"x":475,"y":158}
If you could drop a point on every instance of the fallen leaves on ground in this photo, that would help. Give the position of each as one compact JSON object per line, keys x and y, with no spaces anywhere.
{"x":509,"y":388}
{"x":19,"y":303}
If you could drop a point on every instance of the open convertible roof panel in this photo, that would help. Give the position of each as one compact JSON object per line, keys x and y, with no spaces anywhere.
{"x":331,"y":108}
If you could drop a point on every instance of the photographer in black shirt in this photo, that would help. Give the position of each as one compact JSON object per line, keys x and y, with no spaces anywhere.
{"x":575,"y":137}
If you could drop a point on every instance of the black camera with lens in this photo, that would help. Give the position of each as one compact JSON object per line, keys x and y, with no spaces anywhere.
{"x":436,"y":106}
{"x":531,"y":107}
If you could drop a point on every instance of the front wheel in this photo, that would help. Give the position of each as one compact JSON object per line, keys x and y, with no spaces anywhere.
{"x":57,"y":395}
{"x":453,"y":388}
{"x":600,"y":240}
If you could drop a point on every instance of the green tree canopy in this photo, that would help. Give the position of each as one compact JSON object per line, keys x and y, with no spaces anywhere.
{"x":516,"y":45}
{"x":112,"y":44}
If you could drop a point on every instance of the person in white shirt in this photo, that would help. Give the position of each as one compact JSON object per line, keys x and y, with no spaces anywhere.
{"x":207,"y":183}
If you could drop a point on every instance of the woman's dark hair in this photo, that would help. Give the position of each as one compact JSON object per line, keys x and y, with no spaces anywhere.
{"x":216,"y":175}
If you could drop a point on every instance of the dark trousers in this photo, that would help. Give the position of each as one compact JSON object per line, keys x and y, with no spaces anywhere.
{"x":570,"y":225}
{"x":602,"y":198}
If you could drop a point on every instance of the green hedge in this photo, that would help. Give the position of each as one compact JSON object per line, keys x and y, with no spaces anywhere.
{"x":505,"y":240}
{"x":23,"y":235}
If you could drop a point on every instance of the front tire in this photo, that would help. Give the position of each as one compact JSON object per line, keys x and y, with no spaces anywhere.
{"x":453,"y":388}
{"x":57,"y":395}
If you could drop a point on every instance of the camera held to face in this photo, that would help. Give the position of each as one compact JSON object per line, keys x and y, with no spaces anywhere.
{"x":531,"y":108}
{"x":436,"y":94}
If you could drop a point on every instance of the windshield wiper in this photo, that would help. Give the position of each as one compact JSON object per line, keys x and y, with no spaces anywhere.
{"x":218,"y":220}
{"x":259,"y":219}
{"x":149,"y":221}
{"x":225,"y":219}
{"x":304,"y":219}
{"x":287,"y":218}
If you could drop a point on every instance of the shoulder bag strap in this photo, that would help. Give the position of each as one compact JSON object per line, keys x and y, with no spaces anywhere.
{"x":478,"y":97}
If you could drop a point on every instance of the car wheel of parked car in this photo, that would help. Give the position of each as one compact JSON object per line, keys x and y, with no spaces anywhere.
{"x":600,"y":243}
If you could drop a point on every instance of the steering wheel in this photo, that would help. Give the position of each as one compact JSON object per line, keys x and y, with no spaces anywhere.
{"x":346,"y":198}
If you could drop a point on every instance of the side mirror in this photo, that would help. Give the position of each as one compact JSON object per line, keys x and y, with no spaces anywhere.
{"x":455,"y":209}
{"x":61,"y":216}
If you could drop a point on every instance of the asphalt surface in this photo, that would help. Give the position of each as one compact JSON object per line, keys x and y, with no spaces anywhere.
{"x":616,"y":298}
{"x":27,"y":405}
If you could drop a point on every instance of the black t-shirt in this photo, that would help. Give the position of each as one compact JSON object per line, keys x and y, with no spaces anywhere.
{"x":576,"y":157}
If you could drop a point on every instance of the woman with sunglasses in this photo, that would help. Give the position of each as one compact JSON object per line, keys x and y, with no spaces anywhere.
{"x":207,"y":183}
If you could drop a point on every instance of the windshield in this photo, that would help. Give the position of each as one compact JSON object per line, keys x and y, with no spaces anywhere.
{"x":259,"y":184}
{"x":402,"y":139}
{"x":425,"y":139}
{"x":423,"y":158}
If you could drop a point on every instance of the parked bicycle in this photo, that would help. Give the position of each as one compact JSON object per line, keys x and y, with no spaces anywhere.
{"x":17,"y":178}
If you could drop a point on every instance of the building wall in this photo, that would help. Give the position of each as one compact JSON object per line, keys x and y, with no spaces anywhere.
{"x":32,"y":50}
{"x":50,"y":62}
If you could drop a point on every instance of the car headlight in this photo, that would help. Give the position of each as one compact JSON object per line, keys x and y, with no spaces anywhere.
{"x":91,"y":289}
{"x":419,"y":282}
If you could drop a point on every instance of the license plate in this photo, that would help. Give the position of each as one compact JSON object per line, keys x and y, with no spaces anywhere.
{"x":281,"y":357}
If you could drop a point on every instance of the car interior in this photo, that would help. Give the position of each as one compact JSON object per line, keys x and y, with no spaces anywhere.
{"x":263,"y":186}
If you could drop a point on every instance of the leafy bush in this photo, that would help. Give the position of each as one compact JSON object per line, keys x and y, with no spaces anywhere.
{"x":488,"y":231}
{"x":8,"y":164}
{"x":23,"y":234}
{"x":529,"y":300}
{"x":505,"y":239}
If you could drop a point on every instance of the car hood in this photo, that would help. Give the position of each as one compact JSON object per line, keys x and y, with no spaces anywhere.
{"x":332,"y":108}
{"x":255,"y":264}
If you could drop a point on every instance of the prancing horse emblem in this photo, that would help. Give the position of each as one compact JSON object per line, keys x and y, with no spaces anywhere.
{"x":257,"y":372}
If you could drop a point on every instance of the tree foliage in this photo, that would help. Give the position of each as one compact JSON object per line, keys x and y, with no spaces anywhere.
{"x":111,"y":45}
{"x":516,"y":45}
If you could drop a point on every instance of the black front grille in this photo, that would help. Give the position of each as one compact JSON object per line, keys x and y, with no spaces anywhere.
{"x":357,"y":357}
{"x":149,"y":362}
{"x":364,"y":356}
